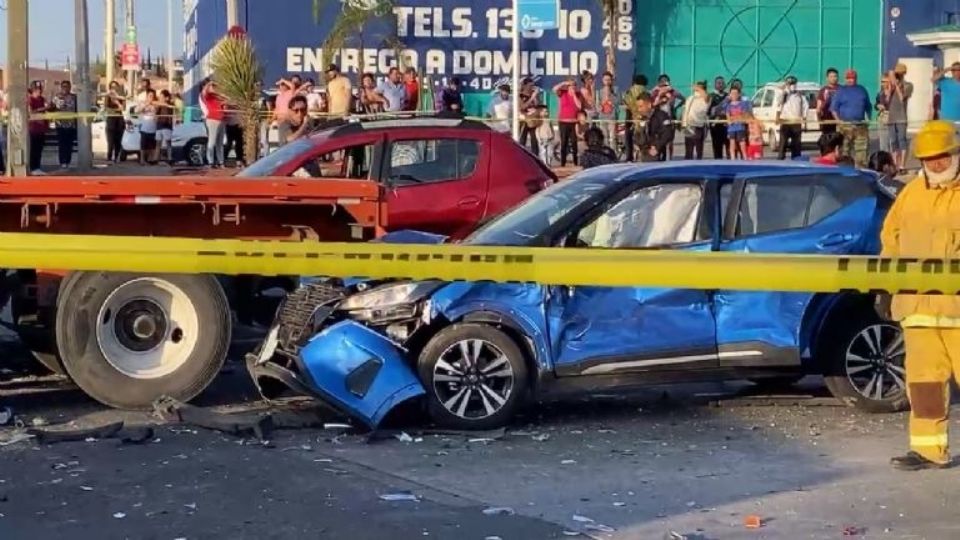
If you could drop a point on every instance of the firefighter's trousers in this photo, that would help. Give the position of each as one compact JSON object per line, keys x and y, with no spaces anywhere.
{"x":933,"y":358}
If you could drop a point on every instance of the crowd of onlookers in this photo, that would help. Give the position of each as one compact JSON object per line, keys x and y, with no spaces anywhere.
{"x":580,"y":120}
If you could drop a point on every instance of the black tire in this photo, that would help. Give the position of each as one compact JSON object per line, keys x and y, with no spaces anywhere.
{"x":80,"y":323}
{"x":194,"y":152}
{"x":34,"y":325}
{"x":841,"y":382}
{"x":442,"y":344}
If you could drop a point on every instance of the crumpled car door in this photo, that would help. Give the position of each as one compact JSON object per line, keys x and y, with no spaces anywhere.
{"x":359,"y":372}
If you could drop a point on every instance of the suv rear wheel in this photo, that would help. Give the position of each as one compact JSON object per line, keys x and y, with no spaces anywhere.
{"x":865,"y":365}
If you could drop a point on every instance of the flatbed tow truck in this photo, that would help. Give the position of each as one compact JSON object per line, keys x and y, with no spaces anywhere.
{"x":128,"y":339}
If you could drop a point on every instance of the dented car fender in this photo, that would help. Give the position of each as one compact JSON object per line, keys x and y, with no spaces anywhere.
{"x":520,"y":307}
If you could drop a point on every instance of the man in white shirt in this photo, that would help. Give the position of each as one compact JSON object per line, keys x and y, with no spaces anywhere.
{"x":791,"y":117}
{"x":501,"y":108}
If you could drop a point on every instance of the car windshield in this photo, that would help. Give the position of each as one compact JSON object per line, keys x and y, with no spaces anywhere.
{"x":268,"y":165}
{"x":531,"y":218}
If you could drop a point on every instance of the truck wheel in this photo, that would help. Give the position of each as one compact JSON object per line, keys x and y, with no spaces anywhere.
{"x":34,"y":326}
{"x":129,"y":339}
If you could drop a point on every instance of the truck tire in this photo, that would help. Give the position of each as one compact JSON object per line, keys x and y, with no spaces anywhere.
{"x":128,"y":339}
{"x":34,"y":326}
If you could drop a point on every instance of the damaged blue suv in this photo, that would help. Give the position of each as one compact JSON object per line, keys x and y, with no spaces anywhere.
{"x":474,"y":351}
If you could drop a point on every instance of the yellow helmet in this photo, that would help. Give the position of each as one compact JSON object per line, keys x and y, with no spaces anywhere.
{"x":936,"y":138}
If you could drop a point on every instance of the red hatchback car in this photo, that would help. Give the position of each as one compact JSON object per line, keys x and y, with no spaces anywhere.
{"x":443,"y":176}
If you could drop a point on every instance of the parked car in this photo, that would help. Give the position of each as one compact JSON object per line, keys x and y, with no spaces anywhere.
{"x":474,"y":351}
{"x":189,"y":139}
{"x":765,"y":103}
{"x":442,"y":175}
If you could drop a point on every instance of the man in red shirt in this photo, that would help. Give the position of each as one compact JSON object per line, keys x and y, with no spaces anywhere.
{"x":37,"y":104}
{"x":413,"y":89}
{"x":216,"y":129}
{"x":825,"y":99}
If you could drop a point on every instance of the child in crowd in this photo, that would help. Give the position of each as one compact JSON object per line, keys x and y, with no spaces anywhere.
{"x":545,"y":135}
{"x":736,"y":110}
{"x":754,"y":138}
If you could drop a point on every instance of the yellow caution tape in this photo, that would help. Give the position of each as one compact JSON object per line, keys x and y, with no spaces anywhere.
{"x":552,"y":266}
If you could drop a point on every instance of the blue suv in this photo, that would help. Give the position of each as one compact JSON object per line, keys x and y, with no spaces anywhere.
{"x":473,"y":351}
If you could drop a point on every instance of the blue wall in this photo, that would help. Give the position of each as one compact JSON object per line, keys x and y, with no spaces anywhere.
{"x":915,"y":15}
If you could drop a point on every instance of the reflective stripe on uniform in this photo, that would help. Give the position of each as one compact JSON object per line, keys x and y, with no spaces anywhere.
{"x":929,"y":440}
{"x":929,"y":321}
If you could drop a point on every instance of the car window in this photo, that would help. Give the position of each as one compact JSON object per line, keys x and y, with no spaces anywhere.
{"x":768,"y":97}
{"x":269,"y":164}
{"x":653,"y":216}
{"x":354,"y":162}
{"x":414,"y":162}
{"x":771,"y":205}
{"x":758,"y":97}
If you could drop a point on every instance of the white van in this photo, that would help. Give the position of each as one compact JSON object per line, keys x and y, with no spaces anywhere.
{"x":765,"y":103}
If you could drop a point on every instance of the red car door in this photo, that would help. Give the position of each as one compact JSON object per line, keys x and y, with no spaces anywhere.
{"x":355,"y":156}
{"x":437,"y":180}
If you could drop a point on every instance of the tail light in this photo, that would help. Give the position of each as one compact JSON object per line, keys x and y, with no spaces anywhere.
{"x":538,"y":184}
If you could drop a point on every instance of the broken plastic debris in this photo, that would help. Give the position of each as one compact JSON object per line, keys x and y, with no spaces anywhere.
{"x":499,"y":511}
{"x":571,"y":533}
{"x":599,"y":527}
{"x":673,"y":535}
{"x":15,"y":438}
{"x":492,"y":538}
{"x":542,"y":437}
{"x":6,"y":415}
{"x":483,"y":440}
{"x":752,"y":522}
{"x":582,"y":519}
{"x":86,"y":488}
{"x":119,"y":515}
{"x":336,"y":425}
{"x":403,"y":437}
{"x":568,"y":462}
{"x":399,"y":497}
{"x":38,"y":422}
{"x":191,"y":506}
{"x":619,"y":504}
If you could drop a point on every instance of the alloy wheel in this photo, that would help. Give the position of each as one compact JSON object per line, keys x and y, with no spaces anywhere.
{"x":875,"y":360}
{"x":473,"y":379}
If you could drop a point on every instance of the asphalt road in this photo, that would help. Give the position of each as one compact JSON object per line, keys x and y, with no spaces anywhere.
{"x":695,"y":460}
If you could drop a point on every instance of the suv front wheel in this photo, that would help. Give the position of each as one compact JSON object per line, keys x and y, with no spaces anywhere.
{"x":865,"y":365}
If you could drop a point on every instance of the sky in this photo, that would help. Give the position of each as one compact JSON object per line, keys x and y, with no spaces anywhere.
{"x":51,"y":29}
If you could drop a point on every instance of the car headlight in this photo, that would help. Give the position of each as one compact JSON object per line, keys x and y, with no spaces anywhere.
{"x":389,"y":296}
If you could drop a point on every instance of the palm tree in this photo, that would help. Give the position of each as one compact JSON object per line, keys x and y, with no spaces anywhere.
{"x":237,"y":73}
{"x":353,"y":18}
{"x":610,"y":11}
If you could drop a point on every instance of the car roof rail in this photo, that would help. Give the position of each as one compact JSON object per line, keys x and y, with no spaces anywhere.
{"x":359,"y":125}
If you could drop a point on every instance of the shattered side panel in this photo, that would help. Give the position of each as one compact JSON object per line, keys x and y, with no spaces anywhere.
{"x":359,"y":371}
{"x":520,"y":303}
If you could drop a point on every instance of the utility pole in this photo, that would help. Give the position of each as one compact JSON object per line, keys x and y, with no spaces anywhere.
{"x":233,"y":13}
{"x":110,"y":36}
{"x":84,"y":148}
{"x":131,"y":23}
{"x":18,"y":139}
{"x":170,"y":45}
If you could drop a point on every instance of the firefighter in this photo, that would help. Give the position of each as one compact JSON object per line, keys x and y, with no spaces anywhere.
{"x":925,"y":223}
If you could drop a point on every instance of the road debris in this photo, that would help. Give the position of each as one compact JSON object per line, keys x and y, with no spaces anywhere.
{"x":119,"y":515}
{"x":399,"y":497}
{"x":15,"y":437}
{"x":568,"y":462}
{"x":136,"y":435}
{"x":259,"y":425}
{"x":852,"y":530}
{"x":499,"y":511}
{"x":599,"y":527}
{"x":6,"y":415}
{"x":543,"y":437}
{"x":403,"y":437}
{"x":752,"y":522}
{"x":61,"y":435}
{"x":582,"y":519}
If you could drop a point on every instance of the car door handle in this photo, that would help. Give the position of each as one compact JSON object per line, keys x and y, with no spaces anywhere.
{"x":835,"y":239}
{"x":468,"y":202}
